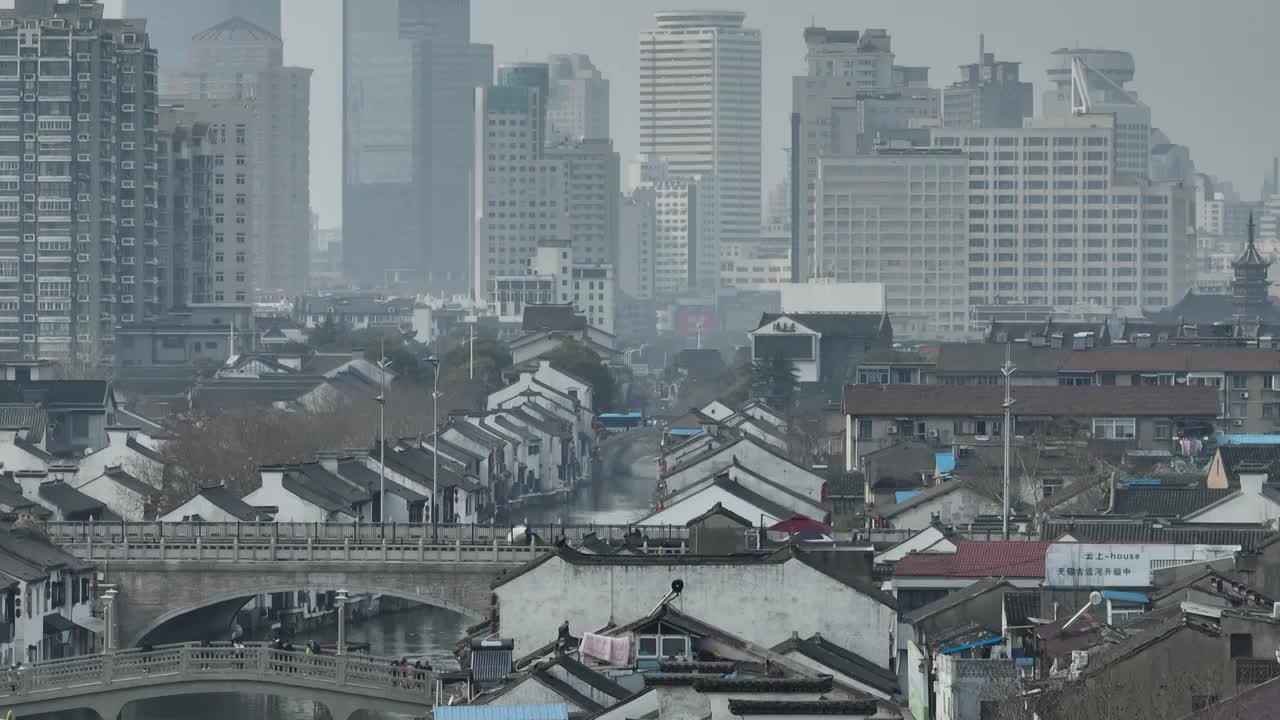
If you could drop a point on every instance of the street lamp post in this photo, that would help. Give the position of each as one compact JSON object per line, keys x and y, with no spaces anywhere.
{"x":108,"y":599}
{"x":435,"y":457}
{"x":383,"y":364}
{"x":341,"y":601}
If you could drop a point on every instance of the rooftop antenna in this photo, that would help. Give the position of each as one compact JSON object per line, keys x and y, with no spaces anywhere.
{"x":982,"y":49}
{"x":1079,"y":87}
{"x":1007,"y":369}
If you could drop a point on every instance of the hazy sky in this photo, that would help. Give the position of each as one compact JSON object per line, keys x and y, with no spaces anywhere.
{"x":1205,"y":68}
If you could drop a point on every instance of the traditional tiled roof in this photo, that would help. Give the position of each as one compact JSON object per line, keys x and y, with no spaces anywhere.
{"x":1169,"y":501}
{"x":71,"y":501}
{"x":56,"y":394}
{"x":552,"y":318}
{"x":784,"y":708}
{"x":930,"y":494}
{"x":763,"y":685}
{"x":957,"y":598}
{"x":1234,"y":456}
{"x":225,"y":500}
{"x":129,"y":482}
{"x":31,"y":417}
{"x":843,"y":661}
{"x":834,"y":324}
{"x":719,"y":509}
{"x":1020,"y":606}
{"x":978,"y":559}
{"x":1146,"y":531}
{"x":1051,"y":401}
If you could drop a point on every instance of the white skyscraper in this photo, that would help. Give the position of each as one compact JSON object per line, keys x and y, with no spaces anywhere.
{"x":700,"y":108}
{"x":579,"y":104}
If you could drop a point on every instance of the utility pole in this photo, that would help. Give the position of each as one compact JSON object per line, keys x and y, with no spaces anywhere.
{"x":1008,"y":370}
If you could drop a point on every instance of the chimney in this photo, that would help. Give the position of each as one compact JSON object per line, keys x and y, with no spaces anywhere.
{"x":1251,"y":482}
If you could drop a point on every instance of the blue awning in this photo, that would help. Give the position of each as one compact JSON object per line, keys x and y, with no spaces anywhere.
{"x":1125,"y":596}
{"x":501,"y":712}
{"x":904,"y":495}
{"x":972,"y":645}
{"x":944,"y":463}
{"x":685,"y":431}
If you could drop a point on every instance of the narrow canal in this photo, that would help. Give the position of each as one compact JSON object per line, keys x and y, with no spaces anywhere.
{"x":621,"y":496}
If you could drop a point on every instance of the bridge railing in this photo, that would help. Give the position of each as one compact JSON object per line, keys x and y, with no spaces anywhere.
{"x":467,"y":533}
{"x":294,"y":550}
{"x":175,"y":663}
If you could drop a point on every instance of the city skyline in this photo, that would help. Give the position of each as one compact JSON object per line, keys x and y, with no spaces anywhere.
{"x":1190,"y":101}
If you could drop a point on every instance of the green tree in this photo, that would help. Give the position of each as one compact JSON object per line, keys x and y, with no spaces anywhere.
{"x":492,"y":361}
{"x":326,"y":334}
{"x":579,"y":360}
{"x":774,"y":379}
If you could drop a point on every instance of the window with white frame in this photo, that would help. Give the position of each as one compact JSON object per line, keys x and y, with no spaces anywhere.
{"x":1115,"y":428}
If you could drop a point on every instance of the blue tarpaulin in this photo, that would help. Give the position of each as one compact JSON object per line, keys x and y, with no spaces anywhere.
{"x":904,"y":495}
{"x":501,"y":712}
{"x":1248,"y":439}
{"x":972,"y":645}
{"x":944,"y":463}
{"x":685,"y":432}
{"x":1141,"y":481}
{"x":1125,"y":596}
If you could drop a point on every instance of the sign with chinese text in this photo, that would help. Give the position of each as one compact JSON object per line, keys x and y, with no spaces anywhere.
{"x":1096,"y":565}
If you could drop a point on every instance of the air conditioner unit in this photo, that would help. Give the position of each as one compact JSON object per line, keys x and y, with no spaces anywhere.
{"x":893,"y":430}
{"x":1238,"y":422}
{"x":1244,"y":395}
{"x":933,"y":433}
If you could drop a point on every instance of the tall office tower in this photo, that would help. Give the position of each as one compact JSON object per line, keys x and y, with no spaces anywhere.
{"x":700,"y":109}
{"x":686,"y":242}
{"x":590,"y":171}
{"x":409,"y":79}
{"x":185,"y":178}
{"x":1053,"y":222}
{"x":989,"y":95}
{"x":637,"y":223}
{"x":850,"y":93}
{"x":519,"y":193}
{"x":225,"y":272}
{"x":880,"y":224}
{"x":239,"y":60}
{"x":78,"y":245}
{"x":531,"y":76}
{"x":1100,"y":89}
{"x":172,"y":23}
{"x":579,"y":104}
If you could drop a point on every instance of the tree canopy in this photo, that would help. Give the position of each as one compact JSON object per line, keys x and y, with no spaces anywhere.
{"x":580,"y":360}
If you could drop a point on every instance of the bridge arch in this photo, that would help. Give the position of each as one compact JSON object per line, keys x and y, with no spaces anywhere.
{"x":197,"y":601}
{"x":226,"y":605}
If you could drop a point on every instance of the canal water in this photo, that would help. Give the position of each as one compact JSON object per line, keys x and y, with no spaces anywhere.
{"x":423,"y":632}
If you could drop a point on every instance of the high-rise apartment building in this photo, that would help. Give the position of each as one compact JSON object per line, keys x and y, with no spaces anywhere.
{"x":1105,"y":74}
{"x":172,"y":23}
{"x":79,"y":250}
{"x":1053,"y":222}
{"x":519,"y":192}
{"x":990,"y":94}
{"x":850,"y":93}
{"x":237,"y":60}
{"x":686,"y":243}
{"x":185,"y":178}
{"x":637,"y":224}
{"x":591,"y":175}
{"x":700,"y":108}
{"x":226,"y":272}
{"x":899,"y":217}
{"x":579,"y":104}
{"x":409,"y":79}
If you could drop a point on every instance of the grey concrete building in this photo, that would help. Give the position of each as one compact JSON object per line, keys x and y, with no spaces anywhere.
{"x":637,"y":231}
{"x":409,"y":79}
{"x":226,"y":272}
{"x":579,"y":104}
{"x":237,"y":60}
{"x":990,"y":94}
{"x":590,"y":170}
{"x":185,"y":178}
{"x":78,"y":245}
{"x":172,"y":23}
{"x":850,"y":93}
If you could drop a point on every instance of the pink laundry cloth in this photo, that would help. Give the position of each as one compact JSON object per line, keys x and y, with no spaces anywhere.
{"x":620,"y":650}
{"x":596,"y":646}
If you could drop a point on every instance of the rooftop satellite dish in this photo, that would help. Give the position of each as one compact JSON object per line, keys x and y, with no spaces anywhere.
{"x":1095,"y":598}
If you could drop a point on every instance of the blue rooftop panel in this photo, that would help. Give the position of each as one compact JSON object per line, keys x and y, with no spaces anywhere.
{"x":501,"y":712}
{"x":1248,"y":439}
{"x":904,"y":495}
{"x":1125,"y":596}
{"x":685,"y":431}
{"x":944,"y":463}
